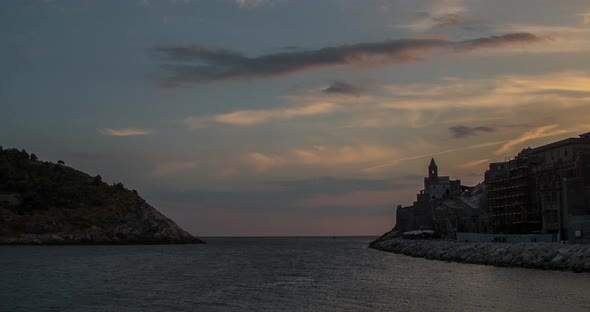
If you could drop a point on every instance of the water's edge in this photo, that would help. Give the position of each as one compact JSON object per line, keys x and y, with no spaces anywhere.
{"x":545,"y":256}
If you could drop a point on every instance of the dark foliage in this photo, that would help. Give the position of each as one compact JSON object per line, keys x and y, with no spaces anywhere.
{"x":54,"y":196}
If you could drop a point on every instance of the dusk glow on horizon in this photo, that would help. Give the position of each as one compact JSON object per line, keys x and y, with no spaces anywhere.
{"x":290,"y":117}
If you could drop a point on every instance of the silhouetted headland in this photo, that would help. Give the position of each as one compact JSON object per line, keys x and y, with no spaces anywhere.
{"x":51,"y":203}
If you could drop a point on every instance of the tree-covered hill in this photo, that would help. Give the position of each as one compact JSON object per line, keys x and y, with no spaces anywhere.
{"x":44,"y":202}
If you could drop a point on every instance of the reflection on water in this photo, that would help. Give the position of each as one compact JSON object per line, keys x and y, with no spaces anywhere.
{"x":288,"y":274}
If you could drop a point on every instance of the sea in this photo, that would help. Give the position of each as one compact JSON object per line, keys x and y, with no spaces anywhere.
{"x":271,"y":274}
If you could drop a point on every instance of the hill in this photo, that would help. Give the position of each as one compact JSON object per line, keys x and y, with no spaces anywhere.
{"x":48,"y":203}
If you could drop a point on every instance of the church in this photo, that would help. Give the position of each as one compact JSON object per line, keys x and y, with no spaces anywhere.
{"x":420,"y":215}
{"x":438,"y":188}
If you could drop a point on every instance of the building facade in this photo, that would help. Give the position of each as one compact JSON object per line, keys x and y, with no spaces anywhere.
{"x":542,"y":190}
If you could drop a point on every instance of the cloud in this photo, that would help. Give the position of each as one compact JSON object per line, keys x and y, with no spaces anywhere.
{"x":450,"y":100}
{"x":428,"y":22}
{"x":474,"y":163}
{"x":537,"y":133}
{"x":173,"y":167}
{"x":497,"y":41}
{"x":201,"y":64}
{"x":564,"y":39}
{"x":254,"y":117}
{"x":448,"y":20}
{"x":463,"y":131}
{"x":502,"y":91}
{"x":446,"y":14}
{"x":251,"y":3}
{"x":125,"y":132}
{"x":343,"y":87}
{"x":321,"y":156}
{"x":263,"y":162}
{"x":437,"y":13}
{"x":396,"y":162}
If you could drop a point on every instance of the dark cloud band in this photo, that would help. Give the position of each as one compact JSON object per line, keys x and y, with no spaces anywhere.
{"x":462,"y":131}
{"x":201,"y":64}
{"x":344,"y":88}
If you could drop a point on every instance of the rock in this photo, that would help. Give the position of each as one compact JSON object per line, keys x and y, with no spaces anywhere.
{"x":557,"y":258}
{"x":545,"y":256}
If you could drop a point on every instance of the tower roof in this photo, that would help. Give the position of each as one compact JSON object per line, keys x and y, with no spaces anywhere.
{"x":432,"y":163}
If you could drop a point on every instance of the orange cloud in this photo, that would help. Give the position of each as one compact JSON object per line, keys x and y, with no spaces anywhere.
{"x":263,"y":162}
{"x":537,"y":133}
{"x":321,"y":156}
{"x":252,"y":117}
{"x":473,"y":163}
{"x":125,"y":132}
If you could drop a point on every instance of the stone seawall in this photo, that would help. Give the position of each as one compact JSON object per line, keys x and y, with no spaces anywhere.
{"x":546,"y":256}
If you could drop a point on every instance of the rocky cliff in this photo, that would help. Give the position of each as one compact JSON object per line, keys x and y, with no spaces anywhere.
{"x":47,"y":203}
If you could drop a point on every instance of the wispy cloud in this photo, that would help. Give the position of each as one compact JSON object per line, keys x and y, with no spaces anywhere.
{"x":501,"y":91}
{"x":445,"y":14}
{"x":322,"y":156}
{"x":201,"y":64}
{"x":537,"y":133}
{"x":125,"y":132}
{"x":173,"y":167}
{"x":396,"y":162}
{"x":254,"y":117}
{"x":463,"y":131}
{"x":422,"y":105}
{"x":474,"y":163}
{"x":264,"y":162}
{"x":436,"y":14}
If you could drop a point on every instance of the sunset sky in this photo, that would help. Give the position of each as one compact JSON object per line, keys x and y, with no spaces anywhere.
{"x":289,"y":117}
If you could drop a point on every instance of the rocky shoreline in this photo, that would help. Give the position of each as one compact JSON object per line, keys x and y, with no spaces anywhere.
{"x":545,"y":256}
{"x":140,"y":225}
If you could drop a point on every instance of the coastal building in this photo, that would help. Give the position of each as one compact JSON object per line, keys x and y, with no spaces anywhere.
{"x":542,"y":190}
{"x":510,"y":207}
{"x":421,"y":214}
{"x":437,"y":187}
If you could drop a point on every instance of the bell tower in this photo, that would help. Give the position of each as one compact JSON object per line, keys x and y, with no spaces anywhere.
{"x":433,"y":171}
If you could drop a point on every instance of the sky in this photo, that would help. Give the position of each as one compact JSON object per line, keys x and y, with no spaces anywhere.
{"x":289,"y":117}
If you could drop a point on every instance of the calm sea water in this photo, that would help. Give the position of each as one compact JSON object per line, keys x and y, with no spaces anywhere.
{"x":270,"y":274}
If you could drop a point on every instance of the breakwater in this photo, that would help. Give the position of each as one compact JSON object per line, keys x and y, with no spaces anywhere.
{"x":546,"y":256}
